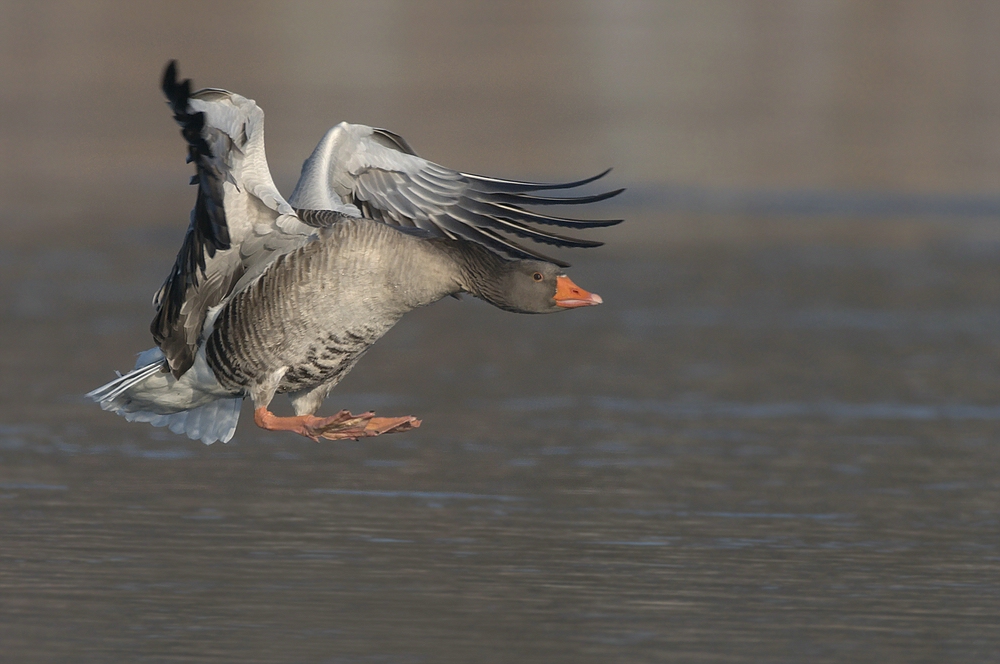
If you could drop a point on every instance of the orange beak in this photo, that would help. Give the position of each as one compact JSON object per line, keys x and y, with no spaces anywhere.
{"x":569,"y":295}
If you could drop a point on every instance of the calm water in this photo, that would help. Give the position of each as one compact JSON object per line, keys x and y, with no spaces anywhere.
{"x":782,"y":453}
{"x":776,"y":441}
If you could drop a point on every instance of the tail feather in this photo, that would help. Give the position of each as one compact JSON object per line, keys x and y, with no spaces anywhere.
{"x":213,"y":421}
{"x":120,"y":385}
{"x":193,"y":405}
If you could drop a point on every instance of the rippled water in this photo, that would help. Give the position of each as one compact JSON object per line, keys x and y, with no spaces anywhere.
{"x":776,"y":441}
{"x":802,"y":468}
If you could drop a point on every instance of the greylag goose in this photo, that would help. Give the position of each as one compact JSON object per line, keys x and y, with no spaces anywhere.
{"x":269,"y":296}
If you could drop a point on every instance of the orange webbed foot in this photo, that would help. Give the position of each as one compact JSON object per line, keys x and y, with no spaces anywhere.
{"x":342,"y":426}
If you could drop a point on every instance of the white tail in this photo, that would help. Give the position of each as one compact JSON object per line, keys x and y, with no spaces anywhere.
{"x":194,"y":405}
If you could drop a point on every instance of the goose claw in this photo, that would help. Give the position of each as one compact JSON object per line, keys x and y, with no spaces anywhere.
{"x":341,"y":426}
{"x":366,"y":425}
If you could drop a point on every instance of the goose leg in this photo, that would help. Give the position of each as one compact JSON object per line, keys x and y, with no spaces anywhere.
{"x":366,"y":425}
{"x":303,"y":423}
{"x":341,"y":426}
{"x":344,"y":425}
{"x":309,"y":426}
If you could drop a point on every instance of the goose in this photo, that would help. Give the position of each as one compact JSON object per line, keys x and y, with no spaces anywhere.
{"x":269,"y":295}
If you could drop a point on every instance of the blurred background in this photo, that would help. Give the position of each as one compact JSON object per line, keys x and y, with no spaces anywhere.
{"x":775,"y":441}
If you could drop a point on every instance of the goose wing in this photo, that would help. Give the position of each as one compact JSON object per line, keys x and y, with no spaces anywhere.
{"x":239,"y":221}
{"x":379,"y":173}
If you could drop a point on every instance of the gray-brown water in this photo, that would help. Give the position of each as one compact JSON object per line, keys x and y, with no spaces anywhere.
{"x":776,"y":441}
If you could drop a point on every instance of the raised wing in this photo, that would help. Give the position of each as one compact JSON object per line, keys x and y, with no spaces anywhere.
{"x":377,"y":171}
{"x":239,"y":219}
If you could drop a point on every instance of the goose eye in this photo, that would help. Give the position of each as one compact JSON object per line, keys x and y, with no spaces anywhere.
{"x":537,"y":276}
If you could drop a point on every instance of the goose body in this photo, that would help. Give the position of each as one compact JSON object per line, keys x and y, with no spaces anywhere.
{"x":313,"y":314}
{"x":269,"y":297}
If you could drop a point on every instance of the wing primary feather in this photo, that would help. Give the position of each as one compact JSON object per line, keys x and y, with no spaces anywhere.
{"x":492,"y":241}
{"x":528,"y":199}
{"x":521,"y":251}
{"x":394,"y":140}
{"x":548,"y":238}
{"x":520,"y":215}
{"x":522,"y":230}
{"x":212,"y":226}
{"x":510,"y":186}
{"x":455,"y":228}
{"x":440,"y":185}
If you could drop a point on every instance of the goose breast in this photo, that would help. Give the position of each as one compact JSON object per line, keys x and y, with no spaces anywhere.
{"x":315,"y":311}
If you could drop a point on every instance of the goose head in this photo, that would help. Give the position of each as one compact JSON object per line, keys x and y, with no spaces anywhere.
{"x":535,"y":287}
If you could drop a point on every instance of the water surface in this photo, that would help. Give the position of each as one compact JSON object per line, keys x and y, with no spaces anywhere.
{"x":776,"y":441}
